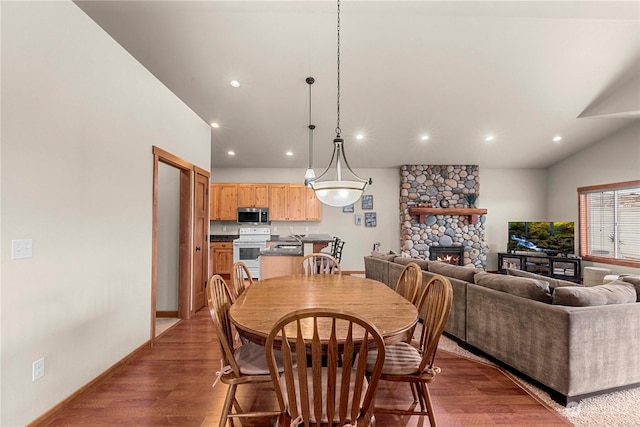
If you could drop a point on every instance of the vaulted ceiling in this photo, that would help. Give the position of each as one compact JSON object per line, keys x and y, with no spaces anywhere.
{"x":456,"y":71}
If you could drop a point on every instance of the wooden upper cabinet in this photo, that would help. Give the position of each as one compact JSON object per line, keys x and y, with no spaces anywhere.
{"x":297,"y":197}
{"x":313,"y":206}
{"x":228,"y":202}
{"x":253,"y":195}
{"x":214,"y":202}
{"x":278,"y":202}
{"x":286,"y":202}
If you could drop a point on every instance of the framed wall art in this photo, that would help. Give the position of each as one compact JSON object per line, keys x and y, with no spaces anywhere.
{"x":348,"y":208}
{"x":367,"y":201}
{"x":370,"y":219}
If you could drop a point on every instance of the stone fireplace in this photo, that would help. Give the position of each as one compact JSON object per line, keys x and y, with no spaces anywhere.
{"x":454,"y":227}
{"x":449,"y":254}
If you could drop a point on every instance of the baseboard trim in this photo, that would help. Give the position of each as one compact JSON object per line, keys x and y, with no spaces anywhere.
{"x":48,"y":417}
{"x":167,"y":313}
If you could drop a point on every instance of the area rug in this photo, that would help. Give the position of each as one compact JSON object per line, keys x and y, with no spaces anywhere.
{"x":619,"y":409}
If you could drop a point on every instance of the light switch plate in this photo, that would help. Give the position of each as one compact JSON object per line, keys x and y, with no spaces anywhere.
{"x":21,"y":248}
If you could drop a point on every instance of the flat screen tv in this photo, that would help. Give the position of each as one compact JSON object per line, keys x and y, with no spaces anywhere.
{"x":550,"y":238}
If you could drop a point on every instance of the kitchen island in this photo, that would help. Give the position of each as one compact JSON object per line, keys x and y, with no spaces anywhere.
{"x":284,"y":253}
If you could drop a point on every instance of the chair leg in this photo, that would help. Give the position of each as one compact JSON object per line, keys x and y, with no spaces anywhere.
{"x":427,"y":395}
{"x":228,"y":401}
{"x":414,"y":392}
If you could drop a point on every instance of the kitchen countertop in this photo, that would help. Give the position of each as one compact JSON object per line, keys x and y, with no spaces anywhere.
{"x":306,"y":238}
{"x":223,"y":237}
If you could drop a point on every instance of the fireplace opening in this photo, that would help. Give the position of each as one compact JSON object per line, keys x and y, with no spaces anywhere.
{"x":449,"y":254}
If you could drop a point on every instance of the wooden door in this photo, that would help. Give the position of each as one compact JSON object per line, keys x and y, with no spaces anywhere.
{"x":200,"y":241}
{"x":278,"y":202}
{"x":297,"y":197}
{"x":228,"y":206}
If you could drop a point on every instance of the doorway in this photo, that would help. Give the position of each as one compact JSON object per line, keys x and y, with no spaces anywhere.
{"x":180,"y":251}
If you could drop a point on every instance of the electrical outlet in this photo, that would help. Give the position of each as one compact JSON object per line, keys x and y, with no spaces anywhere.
{"x":224,"y":228}
{"x":21,"y":248}
{"x":291,"y":230}
{"x":38,"y":369}
{"x":306,"y":229}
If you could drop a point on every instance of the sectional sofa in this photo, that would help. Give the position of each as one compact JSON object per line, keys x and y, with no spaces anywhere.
{"x":576,"y":341}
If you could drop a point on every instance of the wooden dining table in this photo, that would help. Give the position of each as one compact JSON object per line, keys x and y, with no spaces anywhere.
{"x":264,"y":302}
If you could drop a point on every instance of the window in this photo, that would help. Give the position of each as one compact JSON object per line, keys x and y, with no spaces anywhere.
{"x":610,"y":223}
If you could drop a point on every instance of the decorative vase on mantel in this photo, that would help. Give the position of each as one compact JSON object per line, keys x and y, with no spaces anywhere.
{"x":471,"y":199}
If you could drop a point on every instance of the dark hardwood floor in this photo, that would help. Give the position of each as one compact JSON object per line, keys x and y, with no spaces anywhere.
{"x":170,"y":385}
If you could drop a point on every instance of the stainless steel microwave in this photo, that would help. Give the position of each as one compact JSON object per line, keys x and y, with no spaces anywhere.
{"x":253,"y":216}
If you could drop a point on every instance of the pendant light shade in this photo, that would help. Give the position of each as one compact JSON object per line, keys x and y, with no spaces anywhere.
{"x":338,"y":192}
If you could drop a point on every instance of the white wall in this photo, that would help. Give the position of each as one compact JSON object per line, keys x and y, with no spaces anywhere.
{"x":614,"y":159}
{"x":510,"y":195}
{"x":359,"y":239}
{"x":79,"y":118}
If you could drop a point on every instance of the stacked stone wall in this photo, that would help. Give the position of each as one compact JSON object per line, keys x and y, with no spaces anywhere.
{"x":437,"y":183}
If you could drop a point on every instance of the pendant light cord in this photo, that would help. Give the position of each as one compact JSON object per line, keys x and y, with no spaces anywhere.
{"x":338,"y":130}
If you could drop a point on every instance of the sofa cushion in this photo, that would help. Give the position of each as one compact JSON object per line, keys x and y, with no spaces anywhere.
{"x":455,"y":271}
{"x":553,"y":283}
{"x":617,"y":292}
{"x":533,"y":289}
{"x":423,"y":264}
{"x":634,"y":279}
{"x":387,"y":257}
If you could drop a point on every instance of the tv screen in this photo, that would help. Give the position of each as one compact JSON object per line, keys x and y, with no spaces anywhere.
{"x":550,"y":238}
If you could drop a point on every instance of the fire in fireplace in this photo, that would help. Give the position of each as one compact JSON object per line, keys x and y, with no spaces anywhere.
{"x":449,"y":254}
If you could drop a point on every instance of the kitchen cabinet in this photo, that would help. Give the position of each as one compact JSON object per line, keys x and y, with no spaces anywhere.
{"x":228,"y":202}
{"x":313,"y":207}
{"x":214,"y":202}
{"x":293,"y":202}
{"x":253,"y":195}
{"x":222,"y":258}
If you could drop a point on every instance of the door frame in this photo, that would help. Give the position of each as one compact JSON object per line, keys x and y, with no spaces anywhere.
{"x":186,"y":234}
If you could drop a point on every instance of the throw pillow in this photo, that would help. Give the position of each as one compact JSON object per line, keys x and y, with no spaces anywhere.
{"x":617,"y":292}
{"x":634,"y":279}
{"x":553,"y":283}
{"x":455,"y":271}
{"x":533,"y":289}
{"x":387,"y":257}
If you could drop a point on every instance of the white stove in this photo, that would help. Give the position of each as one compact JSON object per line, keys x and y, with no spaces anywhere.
{"x":249,"y":244}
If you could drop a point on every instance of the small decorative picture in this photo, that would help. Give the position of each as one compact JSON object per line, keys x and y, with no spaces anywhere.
{"x":370,"y":219}
{"x":348,"y":208}
{"x":367,"y":201}
{"x":358,"y":219}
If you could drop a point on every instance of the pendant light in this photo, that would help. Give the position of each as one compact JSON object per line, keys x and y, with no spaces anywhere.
{"x":310,"y":175}
{"x":338,"y":192}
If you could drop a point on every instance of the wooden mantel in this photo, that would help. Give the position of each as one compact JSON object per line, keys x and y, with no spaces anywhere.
{"x":472,"y":213}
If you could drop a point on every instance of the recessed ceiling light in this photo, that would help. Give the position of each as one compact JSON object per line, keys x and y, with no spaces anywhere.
{"x":424,"y":137}
{"x":359,"y":136}
{"x":215,"y":125}
{"x":231,"y":153}
{"x":289,"y":153}
{"x":557,"y":138}
{"x":235,"y":83}
{"x":489,"y":138}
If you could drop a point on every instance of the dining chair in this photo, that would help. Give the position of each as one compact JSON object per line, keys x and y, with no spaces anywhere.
{"x":321,"y":389}
{"x":240,"y":278}
{"x":406,"y":363}
{"x":409,"y":282}
{"x":245,"y":364}
{"x":318,"y":263}
{"x":336,"y":249}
